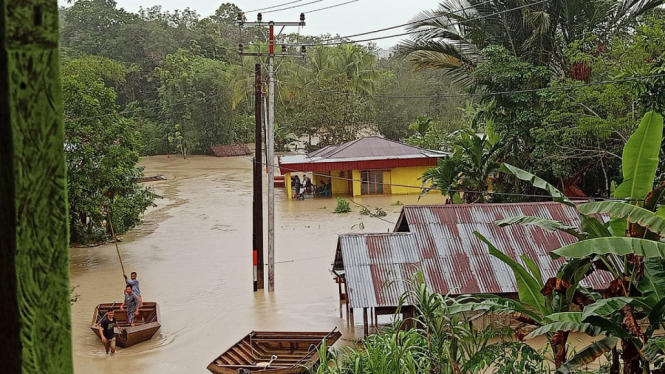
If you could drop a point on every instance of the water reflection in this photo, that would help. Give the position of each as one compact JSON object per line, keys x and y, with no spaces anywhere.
{"x":193,"y":256}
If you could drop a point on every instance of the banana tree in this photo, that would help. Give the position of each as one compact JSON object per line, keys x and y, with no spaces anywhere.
{"x":470,"y":168}
{"x":634,"y":257}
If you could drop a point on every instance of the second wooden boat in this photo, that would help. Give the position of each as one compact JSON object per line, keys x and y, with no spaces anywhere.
{"x":273,"y":352}
{"x":145,"y":326}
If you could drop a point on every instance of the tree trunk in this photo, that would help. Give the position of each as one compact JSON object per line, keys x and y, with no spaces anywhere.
{"x":559,"y":347}
{"x":632,"y":363}
{"x":615,"y":368}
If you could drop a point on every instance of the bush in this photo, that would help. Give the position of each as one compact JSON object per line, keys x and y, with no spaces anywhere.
{"x":342,"y":206}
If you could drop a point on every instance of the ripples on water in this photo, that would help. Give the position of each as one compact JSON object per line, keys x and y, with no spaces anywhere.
{"x":193,"y":256}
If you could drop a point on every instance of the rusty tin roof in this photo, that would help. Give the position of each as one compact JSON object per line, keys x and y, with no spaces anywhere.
{"x":439,"y":240}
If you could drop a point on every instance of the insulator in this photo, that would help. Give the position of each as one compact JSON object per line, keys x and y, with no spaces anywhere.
{"x":259,"y":17}
{"x":302,"y":17}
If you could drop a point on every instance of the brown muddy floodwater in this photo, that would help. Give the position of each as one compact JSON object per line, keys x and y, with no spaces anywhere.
{"x":193,"y":256}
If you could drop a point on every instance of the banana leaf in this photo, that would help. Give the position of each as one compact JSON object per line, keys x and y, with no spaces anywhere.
{"x":630,"y":213}
{"x":652,"y":285}
{"x":640,"y":158}
{"x":653,"y":348}
{"x":611,"y":328}
{"x":588,"y":355}
{"x":604,"y":307}
{"x":618,"y":227}
{"x":534,"y":269}
{"x":528,"y":287}
{"x":612,"y":245}
{"x":537,"y":182}
{"x":594,"y":228}
{"x":494,"y":304}
{"x":551,"y":328}
{"x":654,"y":197}
{"x":656,"y":314}
{"x":565,"y":317}
{"x":548,"y":225}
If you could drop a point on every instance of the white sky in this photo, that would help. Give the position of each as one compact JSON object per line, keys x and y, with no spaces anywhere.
{"x":353,"y":18}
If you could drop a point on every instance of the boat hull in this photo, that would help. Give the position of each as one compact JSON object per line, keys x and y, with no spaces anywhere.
{"x":290,"y":353}
{"x":126,"y":336}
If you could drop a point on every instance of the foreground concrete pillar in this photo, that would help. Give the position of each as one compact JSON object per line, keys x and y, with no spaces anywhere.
{"x":34,"y":255}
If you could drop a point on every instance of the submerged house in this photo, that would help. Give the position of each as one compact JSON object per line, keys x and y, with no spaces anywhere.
{"x":375,"y":270}
{"x":366,"y":166}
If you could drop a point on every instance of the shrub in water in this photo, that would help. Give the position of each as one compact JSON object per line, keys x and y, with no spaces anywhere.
{"x":342,"y":206}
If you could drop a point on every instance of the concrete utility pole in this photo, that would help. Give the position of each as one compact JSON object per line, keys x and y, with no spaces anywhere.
{"x":257,"y":250}
{"x":270,"y":130}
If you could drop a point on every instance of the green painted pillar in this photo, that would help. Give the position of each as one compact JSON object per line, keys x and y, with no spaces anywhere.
{"x":35,"y":319}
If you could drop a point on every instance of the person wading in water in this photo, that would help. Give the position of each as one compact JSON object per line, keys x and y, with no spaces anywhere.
{"x":107,"y":331}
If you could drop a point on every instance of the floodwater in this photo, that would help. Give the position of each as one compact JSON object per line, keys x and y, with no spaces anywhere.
{"x":193,"y":255}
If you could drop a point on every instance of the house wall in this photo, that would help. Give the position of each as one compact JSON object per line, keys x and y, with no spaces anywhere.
{"x":357,"y":182}
{"x":406,"y":176}
{"x":340,"y":184}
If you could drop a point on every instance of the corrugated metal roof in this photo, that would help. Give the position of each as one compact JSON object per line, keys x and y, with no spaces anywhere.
{"x":367,"y":149}
{"x":441,"y":243}
{"x":369,"y":146}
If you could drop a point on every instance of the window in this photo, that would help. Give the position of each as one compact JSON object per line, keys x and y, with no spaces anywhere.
{"x":372,"y":182}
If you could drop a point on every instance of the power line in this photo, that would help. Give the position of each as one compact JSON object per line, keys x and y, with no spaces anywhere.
{"x":274,"y":6}
{"x":291,"y":7}
{"x":496,"y":93}
{"x":402,"y":25}
{"x":435,"y":189}
{"x":323,"y":42}
{"x":332,"y":6}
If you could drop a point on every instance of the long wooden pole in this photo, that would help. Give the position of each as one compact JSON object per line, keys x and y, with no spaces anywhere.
{"x":116,"y":245}
{"x":257,"y":250}
{"x":270,"y":135}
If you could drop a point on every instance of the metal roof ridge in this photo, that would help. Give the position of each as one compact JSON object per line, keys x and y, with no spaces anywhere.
{"x":480,"y":204}
{"x":374,"y":234}
{"x":342,"y":147}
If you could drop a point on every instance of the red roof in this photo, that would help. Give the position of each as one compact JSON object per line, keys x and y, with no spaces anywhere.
{"x":370,"y":152}
{"x":438,"y":240}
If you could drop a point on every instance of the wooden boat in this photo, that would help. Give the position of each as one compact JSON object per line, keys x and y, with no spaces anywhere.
{"x":145,"y":325}
{"x":273,"y":353}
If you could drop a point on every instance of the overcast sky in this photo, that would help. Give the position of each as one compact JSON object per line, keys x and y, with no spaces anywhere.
{"x":353,"y":18}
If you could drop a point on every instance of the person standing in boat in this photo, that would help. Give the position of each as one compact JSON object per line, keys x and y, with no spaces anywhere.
{"x":107,"y":331}
{"x":134,"y":283}
{"x":132,"y":304}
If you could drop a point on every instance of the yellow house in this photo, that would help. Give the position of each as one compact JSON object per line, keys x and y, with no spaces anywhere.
{"x":366,"y":166}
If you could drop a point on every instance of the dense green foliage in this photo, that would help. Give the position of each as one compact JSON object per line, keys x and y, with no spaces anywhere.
{"x":631,"y":308}
{"x":102,"y":150}
{"x":622,"y":317}
{"x":186,"y":87}
{"x":561,"y":82}
{"x":157,"y":82}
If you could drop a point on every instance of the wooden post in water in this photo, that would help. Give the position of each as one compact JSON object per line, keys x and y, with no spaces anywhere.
{"x":257,"y":236}
{"x":365,"y":322}
{"x":34,"y":238}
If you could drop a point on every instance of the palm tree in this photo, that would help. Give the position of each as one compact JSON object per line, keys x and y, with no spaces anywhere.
{"x":452,"y":36}
{"x":358,"y":66}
